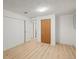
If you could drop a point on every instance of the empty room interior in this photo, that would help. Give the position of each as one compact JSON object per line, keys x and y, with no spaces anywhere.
{"x":39,"y":29}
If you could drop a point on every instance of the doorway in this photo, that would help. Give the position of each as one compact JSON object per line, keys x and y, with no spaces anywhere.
{"x":46,"y":31}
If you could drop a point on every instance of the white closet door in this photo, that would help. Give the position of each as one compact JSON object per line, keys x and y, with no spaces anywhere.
{"x":13,"y":32}
{"x":29,"y":30}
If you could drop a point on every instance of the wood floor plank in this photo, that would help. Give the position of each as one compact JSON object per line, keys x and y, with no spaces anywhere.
{"x":36,"y":50}
{"x":41,"y":53}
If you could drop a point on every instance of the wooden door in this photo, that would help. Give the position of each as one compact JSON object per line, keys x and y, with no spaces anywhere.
{"x":46,"y":31}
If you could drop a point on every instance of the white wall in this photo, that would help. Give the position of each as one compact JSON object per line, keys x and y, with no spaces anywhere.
{"x":65,"y":31}
{"x":13,"y":25}
{"x":14,"y":15}
{"x":38,"y":27}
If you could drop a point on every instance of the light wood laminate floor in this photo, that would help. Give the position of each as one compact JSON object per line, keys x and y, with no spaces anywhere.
{"x":35,"y":50}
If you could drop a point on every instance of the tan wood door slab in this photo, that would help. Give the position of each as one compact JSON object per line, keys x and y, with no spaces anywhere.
{"x":46,"y":30}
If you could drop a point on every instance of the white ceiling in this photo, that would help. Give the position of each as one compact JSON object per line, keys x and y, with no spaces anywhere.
{"x":30,"y":6}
